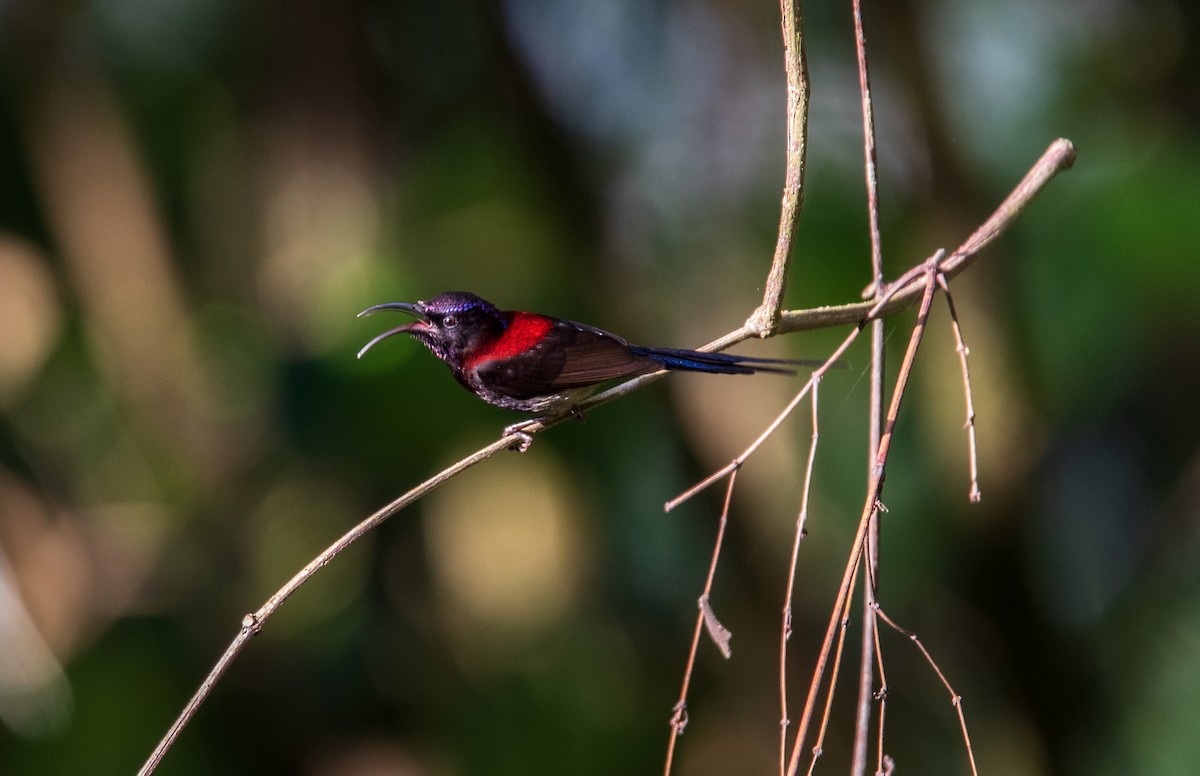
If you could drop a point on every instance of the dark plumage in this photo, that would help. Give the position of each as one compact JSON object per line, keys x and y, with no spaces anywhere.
{"x":535,"y":363}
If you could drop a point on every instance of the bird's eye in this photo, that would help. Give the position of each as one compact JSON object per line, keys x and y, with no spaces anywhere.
{"x":449,"y":321}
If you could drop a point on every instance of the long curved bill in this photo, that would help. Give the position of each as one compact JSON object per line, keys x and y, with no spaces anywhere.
{"x":404,"y":307}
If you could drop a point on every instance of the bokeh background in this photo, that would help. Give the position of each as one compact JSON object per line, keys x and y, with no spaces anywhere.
{"x":197,"y":197}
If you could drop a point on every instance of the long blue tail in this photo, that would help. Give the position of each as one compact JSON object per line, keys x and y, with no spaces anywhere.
{"x":721,"y":363}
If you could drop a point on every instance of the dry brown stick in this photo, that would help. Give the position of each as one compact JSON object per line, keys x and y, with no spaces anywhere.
{"x":869,"y":155}
{"x":955,"y":698}
{"x":252,"y":623}
{"x":819,"y":744}
{"x":866,"y":677}
{"x":703,"y":619}
{"x":881,"y":696}
{"x":766,"y":318}
{"x":870,"y":506}
{"x":961,"y":346}
{"x":786,"y":630}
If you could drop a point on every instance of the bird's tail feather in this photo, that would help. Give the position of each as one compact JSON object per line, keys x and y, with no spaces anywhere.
{"x":722,"y":363}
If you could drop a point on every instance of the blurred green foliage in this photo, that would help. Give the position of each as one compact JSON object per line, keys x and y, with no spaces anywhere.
{"x":197,"y":197}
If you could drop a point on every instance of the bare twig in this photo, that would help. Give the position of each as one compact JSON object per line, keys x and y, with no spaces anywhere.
{"x":705,"y":617}
{"x":866,"y":677}
{"x":765,"y":319}
{"x":881,"y":696}
{"x":961,"y":346}
{"x":786,"y":631}
{"x":955,"y":698}
{"x":253,"y":623}
{"x":869,"y":157}
{"x":819,"y":745}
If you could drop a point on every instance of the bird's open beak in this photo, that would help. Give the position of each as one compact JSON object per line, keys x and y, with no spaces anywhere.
{"x":422,"y":322}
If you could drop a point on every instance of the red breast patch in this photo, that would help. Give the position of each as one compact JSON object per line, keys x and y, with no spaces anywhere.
{"x":525,"y":332}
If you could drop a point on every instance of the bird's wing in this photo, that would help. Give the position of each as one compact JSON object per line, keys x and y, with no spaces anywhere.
{"x":596,"y":355}
{"x":571,"y":355}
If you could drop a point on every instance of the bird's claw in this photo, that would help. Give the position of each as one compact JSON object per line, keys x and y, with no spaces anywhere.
{"x":524,"y":438}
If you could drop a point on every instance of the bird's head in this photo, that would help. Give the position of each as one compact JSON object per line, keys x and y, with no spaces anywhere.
{"x":452,"y":325}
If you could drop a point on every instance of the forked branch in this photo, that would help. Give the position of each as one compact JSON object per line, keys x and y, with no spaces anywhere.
{"x":955,"y":698}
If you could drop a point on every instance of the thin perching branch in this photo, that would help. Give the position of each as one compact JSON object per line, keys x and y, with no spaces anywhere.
{"x":963,"y":351}
{"x":765,"y":319}
{"x":866,"y":676}
{"x":955,"y":698}
{"x":786,"y":629}
{"x":252,"y":623}
{"x":705,"y":619}
{"x":881,"y":696}
{"x":819,"y":746}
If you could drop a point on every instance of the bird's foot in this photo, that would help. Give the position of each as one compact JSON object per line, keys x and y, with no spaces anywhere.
{"x":524,"y":438}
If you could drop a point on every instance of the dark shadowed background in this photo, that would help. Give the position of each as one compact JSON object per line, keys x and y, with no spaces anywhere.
{"x":197,"y":197}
